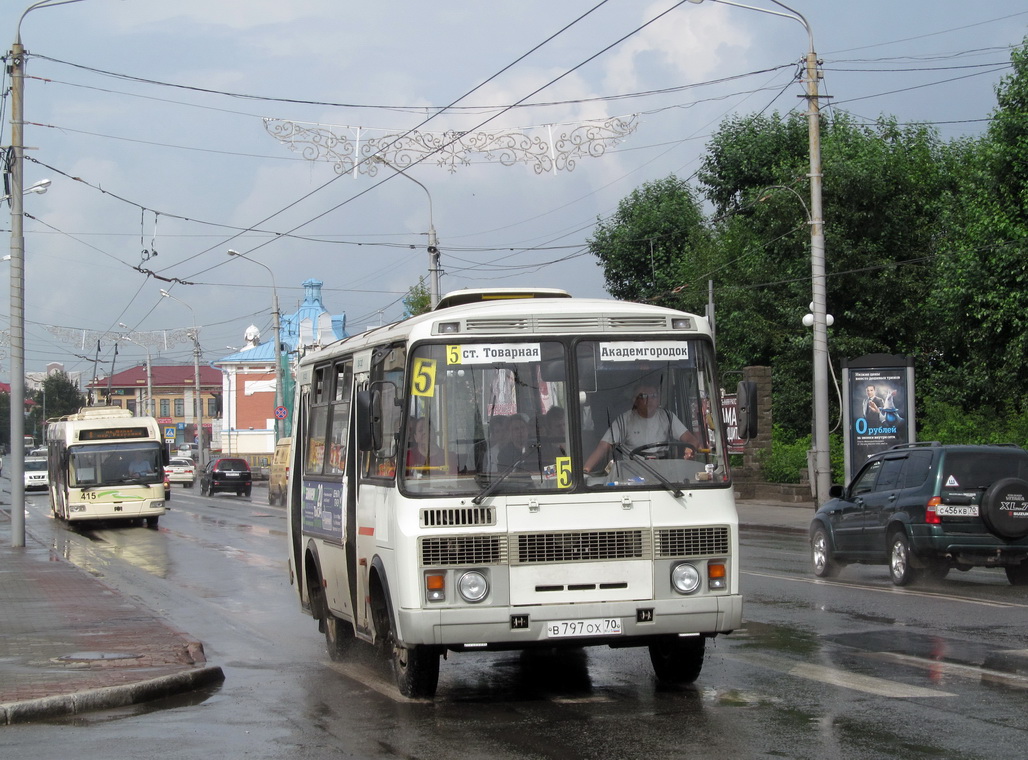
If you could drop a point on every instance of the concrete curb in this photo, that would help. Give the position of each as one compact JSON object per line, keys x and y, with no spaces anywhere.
{"x":109,"y":697}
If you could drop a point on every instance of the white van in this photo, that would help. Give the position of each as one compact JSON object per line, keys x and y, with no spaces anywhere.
{"x":35,"y":473}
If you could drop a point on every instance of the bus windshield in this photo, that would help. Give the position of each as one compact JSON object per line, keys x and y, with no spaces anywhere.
{"x":114,"y":463}
{"x":507,"y":417}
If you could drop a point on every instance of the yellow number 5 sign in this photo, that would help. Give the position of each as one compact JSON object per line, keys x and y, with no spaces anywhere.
{"x":423,"y":377}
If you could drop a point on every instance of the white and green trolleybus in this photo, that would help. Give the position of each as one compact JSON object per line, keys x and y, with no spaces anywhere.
{"x":438,"y":498}
{"x":106,"y":464}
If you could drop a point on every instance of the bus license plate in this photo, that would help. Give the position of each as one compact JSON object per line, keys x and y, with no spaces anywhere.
{"x":957,"y":510}
{"x":564,"y":629}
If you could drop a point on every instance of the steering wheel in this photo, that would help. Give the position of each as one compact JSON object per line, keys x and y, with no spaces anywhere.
{"x":680,"y":445}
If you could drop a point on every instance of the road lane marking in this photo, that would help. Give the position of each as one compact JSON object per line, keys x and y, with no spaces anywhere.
{"x":894,"y":590}
{"x":954,"y":669}
{"x":835,"y":677}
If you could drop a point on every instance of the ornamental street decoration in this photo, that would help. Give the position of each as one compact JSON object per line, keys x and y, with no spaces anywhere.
{"x":546,"y":148}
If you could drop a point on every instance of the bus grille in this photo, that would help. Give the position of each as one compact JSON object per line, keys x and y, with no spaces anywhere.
{"x":692,"y":542}
{"x":449,"y":551}
{"x":458,"y":517}
{"x":582,"y":546}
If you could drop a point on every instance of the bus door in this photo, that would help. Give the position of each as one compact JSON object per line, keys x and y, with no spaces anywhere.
{"x":372,"y":481}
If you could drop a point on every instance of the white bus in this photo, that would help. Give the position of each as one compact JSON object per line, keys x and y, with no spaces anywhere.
{"x":438,"y":499}
{"x":106,"y":464}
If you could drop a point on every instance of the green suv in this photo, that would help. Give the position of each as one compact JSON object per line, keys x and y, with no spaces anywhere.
{"x":924,"y":508}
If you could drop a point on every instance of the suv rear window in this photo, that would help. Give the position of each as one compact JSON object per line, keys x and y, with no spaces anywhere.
{"x":233,"y":464}
{"x":981,"y":469}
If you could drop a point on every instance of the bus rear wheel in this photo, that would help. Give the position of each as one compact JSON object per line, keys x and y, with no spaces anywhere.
{"x":677,"y":660}
{"x":338,"y":636}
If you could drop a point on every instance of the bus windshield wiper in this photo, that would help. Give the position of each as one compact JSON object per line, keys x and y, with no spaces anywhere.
{"x":671,"y":487}
{"x":494,"y":484}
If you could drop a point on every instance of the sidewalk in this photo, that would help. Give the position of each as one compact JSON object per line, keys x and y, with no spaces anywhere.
{"x":70,"y":644}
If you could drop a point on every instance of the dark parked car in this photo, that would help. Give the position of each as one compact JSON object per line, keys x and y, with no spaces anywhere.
{"x":226,"y":474}
{"x":924,"y":508}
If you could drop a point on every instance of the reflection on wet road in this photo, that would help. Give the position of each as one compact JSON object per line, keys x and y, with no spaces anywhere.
{"x":850,"y":667}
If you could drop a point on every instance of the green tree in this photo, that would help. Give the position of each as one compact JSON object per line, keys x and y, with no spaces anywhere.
{"x":979,"y":304}
{"x":57,"y":397}
{"x":654,"y":238}
{"x":884,"y":196}
{"x":418,"y":300}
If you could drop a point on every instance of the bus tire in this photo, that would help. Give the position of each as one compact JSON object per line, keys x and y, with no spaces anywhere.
{"x":416,"y":669}
{"x":677,"y":660}
{"x":151,"y":522}
{"x":339,"y":636}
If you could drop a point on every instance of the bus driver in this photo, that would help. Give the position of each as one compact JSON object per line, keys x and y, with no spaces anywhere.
{"x":646,"y":422}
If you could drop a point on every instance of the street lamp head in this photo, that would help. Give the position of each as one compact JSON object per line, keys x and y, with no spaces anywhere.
{"x":234,"y":253}
{"x":38,"y":187}
{"x":165,"y":293}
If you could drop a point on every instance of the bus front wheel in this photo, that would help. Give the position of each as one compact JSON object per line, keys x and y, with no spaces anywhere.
{"x":677,"y":660}
{"x":416,"y":669}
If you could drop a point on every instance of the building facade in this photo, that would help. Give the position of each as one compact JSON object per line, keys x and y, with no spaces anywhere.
{"x":174,"y":394}
{"x":247,"y":426}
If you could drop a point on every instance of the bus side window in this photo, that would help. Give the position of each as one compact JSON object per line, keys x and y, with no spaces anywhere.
{"x":340,"y":425}
{"x":317,"y":433}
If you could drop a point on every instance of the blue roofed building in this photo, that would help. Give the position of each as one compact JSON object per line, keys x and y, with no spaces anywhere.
{"x":248,"y":377}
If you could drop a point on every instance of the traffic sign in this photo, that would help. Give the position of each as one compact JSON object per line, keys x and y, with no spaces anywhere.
{"x":281,"y":413}
{"x":169,"y":433}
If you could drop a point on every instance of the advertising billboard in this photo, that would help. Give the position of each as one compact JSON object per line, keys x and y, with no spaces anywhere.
{"x":879,"y":408}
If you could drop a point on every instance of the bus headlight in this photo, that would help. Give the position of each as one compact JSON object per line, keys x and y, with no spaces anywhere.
{"x":473,"y":586}
{"x":685,"y":578}
{"x":157,"y":504}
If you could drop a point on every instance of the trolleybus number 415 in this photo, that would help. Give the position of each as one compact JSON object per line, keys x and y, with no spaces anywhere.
{"x":561,"y":629}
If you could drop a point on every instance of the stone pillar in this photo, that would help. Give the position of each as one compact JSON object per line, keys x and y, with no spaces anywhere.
{"x":762,"y":377}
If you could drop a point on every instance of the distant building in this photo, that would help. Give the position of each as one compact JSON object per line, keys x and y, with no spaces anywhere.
{"x":34,"y":380}
{"x":248,"y":386}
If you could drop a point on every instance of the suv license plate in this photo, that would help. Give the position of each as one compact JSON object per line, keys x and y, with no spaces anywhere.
{"x":564,"y":629}
{"x":957,"y":510}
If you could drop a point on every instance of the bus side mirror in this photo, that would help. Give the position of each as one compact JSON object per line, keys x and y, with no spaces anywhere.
{"x":746,"y":409}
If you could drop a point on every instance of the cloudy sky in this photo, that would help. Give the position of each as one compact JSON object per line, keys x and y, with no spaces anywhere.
{"x":175,"y":131}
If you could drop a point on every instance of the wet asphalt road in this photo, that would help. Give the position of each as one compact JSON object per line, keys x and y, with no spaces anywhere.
{"x":848,"y":668}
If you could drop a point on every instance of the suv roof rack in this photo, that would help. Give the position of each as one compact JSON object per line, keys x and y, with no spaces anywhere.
{"x":914,"y":445}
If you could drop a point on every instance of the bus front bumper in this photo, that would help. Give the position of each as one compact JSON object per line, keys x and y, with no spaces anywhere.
{"x":570,"y":624}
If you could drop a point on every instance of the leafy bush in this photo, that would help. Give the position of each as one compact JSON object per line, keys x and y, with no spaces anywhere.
{"x":787,"y":459}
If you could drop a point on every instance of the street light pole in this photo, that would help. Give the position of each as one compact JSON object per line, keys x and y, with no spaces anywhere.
{"x":149,"y":373}
{"x":198,"y":400}
{"x":822,"y":462}
{"x":16,"y":69}
{"x":279,"y":400}
{"x":433,"y":243}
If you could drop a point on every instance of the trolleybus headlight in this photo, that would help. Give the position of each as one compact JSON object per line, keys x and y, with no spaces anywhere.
{"x":473,"y":586}
{"x":685,"y":578}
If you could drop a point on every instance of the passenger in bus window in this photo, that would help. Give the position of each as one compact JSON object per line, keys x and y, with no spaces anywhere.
{"x":519,"y":452}
{"x":423,"y":455}
{"x":499,"y":437}
{"x":645,"y":423}
{"x":554,"y":434}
